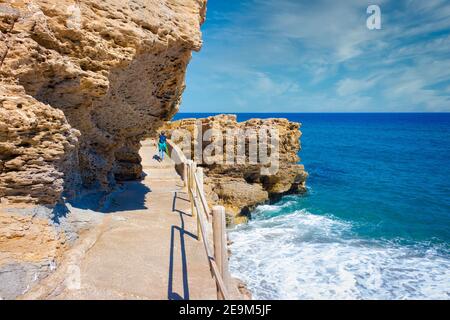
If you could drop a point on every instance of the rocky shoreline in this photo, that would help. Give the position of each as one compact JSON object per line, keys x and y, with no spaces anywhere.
{"x":82,"y":84}
{"x":35,"y":239}
{"x":242,"y":187}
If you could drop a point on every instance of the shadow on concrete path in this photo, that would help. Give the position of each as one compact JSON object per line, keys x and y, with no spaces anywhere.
{"x":129,"y":196}
{"x":171,"y":295}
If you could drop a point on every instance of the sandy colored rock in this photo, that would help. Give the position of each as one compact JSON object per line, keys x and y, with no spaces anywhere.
{"x":27,"y":238}
{"x":33,"y":240}
{"x":82,"y":81}
{"x":37,"y":149}
{"x":241,"y":187}
{"x":29,"y":247}
{"x":236,"y":194}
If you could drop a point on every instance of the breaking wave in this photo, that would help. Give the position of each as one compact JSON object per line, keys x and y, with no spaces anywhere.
{"x":300,"y":255}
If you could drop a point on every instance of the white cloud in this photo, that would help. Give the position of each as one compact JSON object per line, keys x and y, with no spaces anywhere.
{"x":412,"y":87}
{"x":319,"y":56}
{"x":348,"y":86}
{"x":267,"y":86}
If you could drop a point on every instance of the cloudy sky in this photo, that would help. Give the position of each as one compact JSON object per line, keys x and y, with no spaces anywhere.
{"x":319,"y":56}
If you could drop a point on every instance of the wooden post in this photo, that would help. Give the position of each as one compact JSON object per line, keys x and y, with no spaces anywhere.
{"x":194,"y":194}
{"x":200,"y":178}
{"x":220,"y":243}
{"x":190,"y":184}
{"x":194,"y":170}
{"x":191,"y":190}
{"x":189,"y":174}
{"x":185,"y":174}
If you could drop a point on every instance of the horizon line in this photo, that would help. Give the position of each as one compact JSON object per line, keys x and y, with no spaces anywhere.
{"x":343,"y":112}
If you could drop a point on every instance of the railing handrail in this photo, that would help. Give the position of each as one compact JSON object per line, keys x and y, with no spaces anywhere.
{"x":182,"y":158}
{"x":195,"y":193}
{"x":214,"y":268}
{"x":202,"y":196}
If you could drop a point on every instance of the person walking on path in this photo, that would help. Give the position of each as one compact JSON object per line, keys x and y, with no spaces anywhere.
{"x":162,"y":145}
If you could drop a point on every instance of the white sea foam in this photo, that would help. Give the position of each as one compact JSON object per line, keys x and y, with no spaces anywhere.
{"x":266,"y":208}
{"x":306,"y":256}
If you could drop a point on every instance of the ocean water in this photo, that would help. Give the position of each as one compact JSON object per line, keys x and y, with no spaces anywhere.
{"x":375,"y":222}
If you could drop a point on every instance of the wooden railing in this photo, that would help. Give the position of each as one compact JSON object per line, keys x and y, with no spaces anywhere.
{"x":217,"y":255}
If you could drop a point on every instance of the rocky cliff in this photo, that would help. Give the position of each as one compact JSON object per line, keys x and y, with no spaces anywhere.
{"x":82,"y":82}
{"x":242,"y":186}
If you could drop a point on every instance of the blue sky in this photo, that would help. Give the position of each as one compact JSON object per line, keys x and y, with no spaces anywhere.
{"x":319,"y":56}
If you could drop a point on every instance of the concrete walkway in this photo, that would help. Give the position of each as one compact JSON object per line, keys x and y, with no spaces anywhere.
{"x":147,"y":248}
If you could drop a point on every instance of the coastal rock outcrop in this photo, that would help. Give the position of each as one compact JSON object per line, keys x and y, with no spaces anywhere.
{"x":82,"y":81}
{"x":241,"y":185}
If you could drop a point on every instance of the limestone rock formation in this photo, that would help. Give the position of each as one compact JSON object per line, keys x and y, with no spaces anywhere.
{"x":240,"y":187}
{"x":37,"y":147}
{"x":33,"y":240}
{"x":82,"y":82}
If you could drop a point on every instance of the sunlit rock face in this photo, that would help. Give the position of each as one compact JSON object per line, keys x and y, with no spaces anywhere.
{"x":240,"y":187}
{"x":82,"y":82}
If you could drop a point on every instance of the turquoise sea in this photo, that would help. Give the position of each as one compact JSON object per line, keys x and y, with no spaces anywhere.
{"x":375,"y":222}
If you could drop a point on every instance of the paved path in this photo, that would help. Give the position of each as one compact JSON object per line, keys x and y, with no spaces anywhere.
{"x":147,"y":247}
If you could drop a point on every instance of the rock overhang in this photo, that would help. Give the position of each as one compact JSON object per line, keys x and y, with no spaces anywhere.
{"x":107,"y":73}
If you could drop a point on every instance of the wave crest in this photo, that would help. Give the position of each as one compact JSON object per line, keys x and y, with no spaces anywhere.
{"x":300,"y":255}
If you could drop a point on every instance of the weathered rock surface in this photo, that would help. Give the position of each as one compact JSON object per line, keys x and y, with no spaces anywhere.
{"x":82,"y":82}
{"x":37,"y":149}
{"x":32,"y":241}
{"x":240,"y":187}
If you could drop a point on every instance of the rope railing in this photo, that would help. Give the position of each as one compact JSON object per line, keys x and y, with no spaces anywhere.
{"x":193,"y":181}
